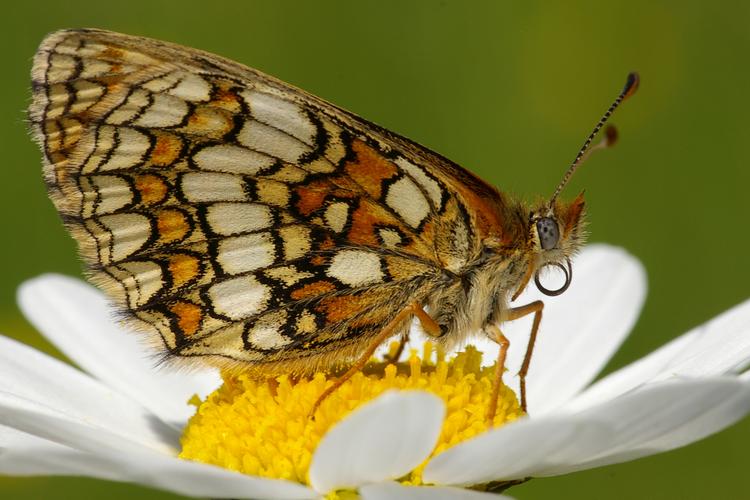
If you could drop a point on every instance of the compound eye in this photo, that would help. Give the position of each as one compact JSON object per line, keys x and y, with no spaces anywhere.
{"x":548,"y":232}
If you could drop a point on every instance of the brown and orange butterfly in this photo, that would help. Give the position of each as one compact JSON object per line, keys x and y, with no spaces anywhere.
{"x":248,"y":224}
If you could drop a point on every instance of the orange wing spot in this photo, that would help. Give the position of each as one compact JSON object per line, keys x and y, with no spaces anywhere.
{"x":211,"y":121}
{"x":313,"y":289}
{"x":166,"y":150}
{"x":318,"y":260}
{"x":172,"y":225}
{"x":183,"y":268}
{"x":363,"y":222}
{"x":370,"y":169}
{"x":112,"y":53}
{"x":188,"y":315}
{"x":311,"y":196}
{"x":343,"y":307}
{"x":326,"y":244}
{"x":226,"y":99}
{"x":152,"y":188}
{"x":114,"y":87}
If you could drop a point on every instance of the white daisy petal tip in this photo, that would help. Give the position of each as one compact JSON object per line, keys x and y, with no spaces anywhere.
{"x":654,"y":419}
{"x":380,"y":441}
{"x":717,"y":347}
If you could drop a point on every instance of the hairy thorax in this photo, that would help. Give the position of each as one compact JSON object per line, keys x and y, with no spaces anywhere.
{"x":478,"y":297}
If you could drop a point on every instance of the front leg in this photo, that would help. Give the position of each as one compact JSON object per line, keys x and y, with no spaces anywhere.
{"x":536,"y":308}
{"x":494,"y":333}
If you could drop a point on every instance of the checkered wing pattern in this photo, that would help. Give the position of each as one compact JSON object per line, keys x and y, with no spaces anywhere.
{"x":238,"y":218}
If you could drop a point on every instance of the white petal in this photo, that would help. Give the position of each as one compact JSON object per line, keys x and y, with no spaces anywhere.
{"x":665,"y":416}
{"x":75,"y":431}
{"x":382,"y":440}
{"x":26,"y":455}
{"x":201,"y":480}
{"x":119,"y":459}
{"x":580,"y":330}
{"x":654,"y":419}
{"x":717,"y":347}
{"x":27,"y":375}
{"x":77,"y":319}
{"x":515,"y":450}
{"x":395,"y":491}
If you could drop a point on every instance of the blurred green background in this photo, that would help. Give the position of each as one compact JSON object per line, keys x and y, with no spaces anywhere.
{"x":507,"y":89}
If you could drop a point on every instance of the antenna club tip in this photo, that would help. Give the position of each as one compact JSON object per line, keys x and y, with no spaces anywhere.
{"x":631,"y":85}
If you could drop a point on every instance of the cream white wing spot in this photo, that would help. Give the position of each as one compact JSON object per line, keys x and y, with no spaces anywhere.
{"x":407,"y":200}
{"x":71,"y":46}
{"x":93,"y":68}
{"x":61,"y":68}
{"x":101,"y":141}
{"x":203,"y":187}
{"x":165,"y":111}
{"x":320,"y":165}
{"x":281,"y":114}
{"x":266,"y":334}
{"x":390,"y":237}
{"x":271,"y":141}
{"x":58,"y":96}
{"x":430,"y":185}
{"x":296,"y":241}
{"x":337,"y":215}
{"x":142,"y":279}
{"x":192,"y":87}
{"x":125,"y":234}
{"x":87,"y":94}
{"x":356,"y":268}
{"x":306,"y":322}
{"x":131,"y":147}
{"x":289,"y":173}
{"x":288,"y":275}
{"x":111,"y":192}
{"x":272,"y":192}
{"x":241,"y":254}
{"x":163,"y":83}
{"x":233,"y":159}
{"x":234,"y":218}
{"x":239,"y":298}
{"x":335,"y":150}
{"x":129,"y":108}
{"x":225,"y":341}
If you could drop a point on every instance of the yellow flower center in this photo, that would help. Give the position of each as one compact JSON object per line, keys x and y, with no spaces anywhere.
{"x":263,"y":427}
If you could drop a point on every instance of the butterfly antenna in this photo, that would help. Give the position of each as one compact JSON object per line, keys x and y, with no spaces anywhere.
{"x":610,"y":134}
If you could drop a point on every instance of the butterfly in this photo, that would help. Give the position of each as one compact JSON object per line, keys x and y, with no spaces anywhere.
{"x":244,"y":223}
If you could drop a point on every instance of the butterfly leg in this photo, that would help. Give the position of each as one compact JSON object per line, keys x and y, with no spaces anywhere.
{"x":428,"y":324}
{"x":535,"y":308}
{"x":495,"y":334}
{"x":393,"y":358}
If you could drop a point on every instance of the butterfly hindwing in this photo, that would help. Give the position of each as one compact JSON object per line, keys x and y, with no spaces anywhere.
{"x":243,"y":219}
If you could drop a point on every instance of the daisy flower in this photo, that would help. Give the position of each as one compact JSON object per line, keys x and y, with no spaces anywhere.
{"x":122,"y":419}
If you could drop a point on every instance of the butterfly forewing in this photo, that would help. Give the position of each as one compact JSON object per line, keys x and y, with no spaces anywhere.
{"x":239,"y":217}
